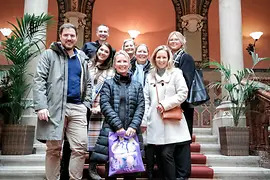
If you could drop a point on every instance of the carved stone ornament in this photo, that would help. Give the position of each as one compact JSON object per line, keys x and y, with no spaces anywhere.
{"x":75,"y":18}
{"x":192,"y":22}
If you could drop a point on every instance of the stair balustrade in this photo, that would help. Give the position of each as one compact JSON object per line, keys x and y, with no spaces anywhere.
{"x":258,"y":121}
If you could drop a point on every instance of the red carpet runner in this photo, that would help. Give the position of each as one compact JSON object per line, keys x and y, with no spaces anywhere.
{"x":198,"y":170}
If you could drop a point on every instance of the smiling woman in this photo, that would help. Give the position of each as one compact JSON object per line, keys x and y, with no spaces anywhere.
{"x":122,"y":63}
{"x":122,"y":104}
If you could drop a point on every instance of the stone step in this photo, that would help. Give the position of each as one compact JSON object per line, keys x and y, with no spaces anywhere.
{"x":208,"y":145}
{"x":220,"y":173}
{"x":22,"y":172}
{"x":38,"y":172}
{"x":205,"y":148}
{"x":206,"y":139}
{"x":211,"y":160}
{"x":202,"y":131}
{"x":232,"y":161}
{"x":39,"y":160}
{"x":22,"y":160}
{"x":241,"y":173}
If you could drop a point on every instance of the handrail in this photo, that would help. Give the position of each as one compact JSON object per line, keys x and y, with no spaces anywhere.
{"x":258,"y":122}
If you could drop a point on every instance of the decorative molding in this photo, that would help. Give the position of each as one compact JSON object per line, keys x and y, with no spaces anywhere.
{"x":74,"y":5}
{"x":193,"y":6}
{"x":87,"y":8}
{"x":179,"y":7}
{"x":192,"y":22}
{"x":76,"y":18}
{"x":204,"y":41}
{"x":61,"y":11}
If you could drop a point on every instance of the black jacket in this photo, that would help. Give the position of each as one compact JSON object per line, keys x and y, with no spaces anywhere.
{"x":186,"y":63}
{"x":109,"y":104}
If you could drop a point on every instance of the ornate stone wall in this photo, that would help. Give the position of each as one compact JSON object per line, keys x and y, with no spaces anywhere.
{"x":182,"y":7}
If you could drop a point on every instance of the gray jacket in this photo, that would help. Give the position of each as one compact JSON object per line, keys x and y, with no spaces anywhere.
{"x":50,"y":89}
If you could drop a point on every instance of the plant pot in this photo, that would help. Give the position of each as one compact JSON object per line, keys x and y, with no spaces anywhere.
{"x":17,"y":139}
{"x":234,"y":141}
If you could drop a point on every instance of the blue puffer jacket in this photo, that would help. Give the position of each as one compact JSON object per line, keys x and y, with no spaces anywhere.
{"x":109,"y":104}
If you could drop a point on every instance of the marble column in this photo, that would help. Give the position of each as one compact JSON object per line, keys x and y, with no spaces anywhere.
{"x":36,"y":7}
{"x":231,"y":54}
{"x":230,"y":27}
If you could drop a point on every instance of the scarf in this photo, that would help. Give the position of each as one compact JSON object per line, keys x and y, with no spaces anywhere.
{"x":139,"y":73}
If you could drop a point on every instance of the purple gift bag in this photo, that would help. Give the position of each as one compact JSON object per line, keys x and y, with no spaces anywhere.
{"x":124,"y":154}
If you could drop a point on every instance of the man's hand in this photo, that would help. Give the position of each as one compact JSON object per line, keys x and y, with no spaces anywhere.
{"x":43,"y":114}
{"x":130,"y":132}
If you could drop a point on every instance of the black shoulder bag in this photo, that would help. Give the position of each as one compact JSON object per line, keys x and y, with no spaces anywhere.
{"x":198,"y":94}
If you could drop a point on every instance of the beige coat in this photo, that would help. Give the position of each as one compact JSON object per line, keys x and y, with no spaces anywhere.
{"x":172,"y":91}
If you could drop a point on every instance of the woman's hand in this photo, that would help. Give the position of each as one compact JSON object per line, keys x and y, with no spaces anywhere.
{"x":130,"y":132}
{"x":95,"y":110}
{"x":120,"y":130}
{"x":143,"y":128}
{"x":160,"y":108}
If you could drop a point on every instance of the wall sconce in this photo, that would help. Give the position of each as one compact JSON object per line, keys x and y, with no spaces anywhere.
{"x":6,"y":31}
{"x":133,"y":33}
{"x":256,"y":36}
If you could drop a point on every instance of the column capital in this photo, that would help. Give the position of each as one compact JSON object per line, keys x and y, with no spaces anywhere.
{"x":76,"y":18}
{"x":192,"y":22}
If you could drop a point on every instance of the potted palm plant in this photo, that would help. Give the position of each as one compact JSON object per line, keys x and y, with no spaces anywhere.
{"x":19,"y":49}
{"x":239,"y":88}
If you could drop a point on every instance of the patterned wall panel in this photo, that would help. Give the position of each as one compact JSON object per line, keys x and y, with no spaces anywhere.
{"x":62,"y":9}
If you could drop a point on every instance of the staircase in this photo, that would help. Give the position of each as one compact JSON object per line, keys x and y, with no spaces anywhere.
{"x":207,"y":163}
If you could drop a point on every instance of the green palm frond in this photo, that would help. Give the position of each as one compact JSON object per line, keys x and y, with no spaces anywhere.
{"x":19,"y":49}
{"x":237,"y":91}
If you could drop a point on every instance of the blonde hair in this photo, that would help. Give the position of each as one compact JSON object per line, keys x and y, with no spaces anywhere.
{"x":121,"y":52}
{"x":169,"y":54}
{"x":136,"y":48}
{"x":180,"y":36}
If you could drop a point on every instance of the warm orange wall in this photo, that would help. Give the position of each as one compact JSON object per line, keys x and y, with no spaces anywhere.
{"x":255,"y":17}
{"x":9,"y":10}
{"x":155,"y":19}
{"x":213,"y":31}
{"x":52,"y":29}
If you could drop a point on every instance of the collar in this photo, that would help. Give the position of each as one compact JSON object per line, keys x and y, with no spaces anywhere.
{"x":165,"y":78}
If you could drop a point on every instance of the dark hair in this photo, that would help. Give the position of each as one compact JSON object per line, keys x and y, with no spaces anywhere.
{"x":108,"y":62}
{"x":67,"y":26}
